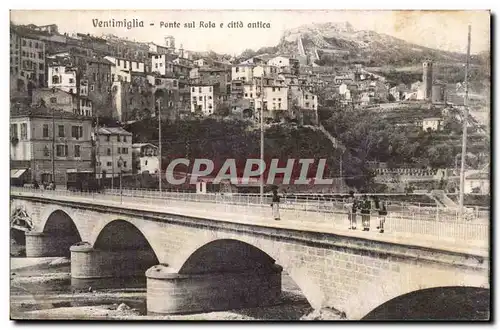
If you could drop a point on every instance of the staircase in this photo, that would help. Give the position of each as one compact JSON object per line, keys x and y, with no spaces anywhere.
{"x":336,"y":144}
{"x":442,"y":200}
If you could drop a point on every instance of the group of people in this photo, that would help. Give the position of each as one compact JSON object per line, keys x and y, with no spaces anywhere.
{"x":45,"y":185}
{"x":365,"y":206}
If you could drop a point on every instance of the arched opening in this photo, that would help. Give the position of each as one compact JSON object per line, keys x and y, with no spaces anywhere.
{"x":240,"y":277}
{"x":127,"y":255}
{"x":442,"y":303}
{"x":62,"y":232}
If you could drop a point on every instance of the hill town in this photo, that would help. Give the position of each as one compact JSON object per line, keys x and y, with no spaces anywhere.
{"x":89,"y":103}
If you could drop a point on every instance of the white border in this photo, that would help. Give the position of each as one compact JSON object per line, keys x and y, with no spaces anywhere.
{"x":185,"y":4}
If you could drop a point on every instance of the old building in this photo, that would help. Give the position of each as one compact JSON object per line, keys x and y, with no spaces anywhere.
{"x":98,"y":78}
{"x":27,"y":59}
{"x":242,"y":72}
{"x":48,"y":143}
{"x":145,"y":158}
{"x":433,"y":124}
{"x":162,"y":63}
{"x":202,"y":99}
{"x":63,"y":78}
{"x":114,"y":152}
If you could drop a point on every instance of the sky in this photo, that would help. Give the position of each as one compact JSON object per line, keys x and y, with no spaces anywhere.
{"x":446,"y":30}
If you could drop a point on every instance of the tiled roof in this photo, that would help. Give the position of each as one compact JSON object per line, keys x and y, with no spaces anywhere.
{"x":113,"y":131}
{"x":43,"y":112}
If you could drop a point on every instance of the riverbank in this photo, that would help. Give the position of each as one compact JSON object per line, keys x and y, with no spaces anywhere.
{"x":41,"y":289}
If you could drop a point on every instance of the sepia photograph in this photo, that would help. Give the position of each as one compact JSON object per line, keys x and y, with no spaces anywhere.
{"x":250,"y":165}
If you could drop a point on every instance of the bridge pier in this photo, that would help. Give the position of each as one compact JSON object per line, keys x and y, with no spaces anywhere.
{"x":40,"y":244}
{"x":169,"y":292}
{"x":89,"y":264}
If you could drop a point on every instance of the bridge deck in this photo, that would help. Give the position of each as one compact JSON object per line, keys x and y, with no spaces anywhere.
{"x":431,"y":234}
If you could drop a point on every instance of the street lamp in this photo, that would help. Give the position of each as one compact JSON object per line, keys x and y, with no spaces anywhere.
{"x":120,"y":165}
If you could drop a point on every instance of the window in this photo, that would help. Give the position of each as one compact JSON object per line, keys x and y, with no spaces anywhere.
{"x":53,"y":100}
{"x":40,"y":66}
{"x":145,"y":162}
{"x":124,"y":138}
{"x":24,"y":131}
{"x":107,"y":138}
{"x":137,"y":65}
{"x":118,"y":150}
{"x":24,"y":42}
{"x":113,"y":77}
{"x":13,"y":131}
{"x":55,"y":80}
{"x":246,"y":94}
{"x":117,"y":62}
{"x":40,"y":55}
{"x":46,"y":152}
{"x":108,"y":164}
{"x":199,"y":89}
{"x":108,"y":152}
{"x":125,"y":64}
{"x":194,"y":98}
{"x":201,"y":98}
{"x":77,"y":151}
{"x":125,"y":164}
{"x":307,"y":97}
{"x":45,"y":130}
{"x":274,"y":89}
{"x":76,"y":132}
{"x":61,"y":150}
{"x":61,"y":131}
{"x":94,"y":77}
{"x":118,"y":138}
{"x":125,"y":151}
{"x":71,"y":80}
{"x":192,"y":89}
{"x":91,"y":88}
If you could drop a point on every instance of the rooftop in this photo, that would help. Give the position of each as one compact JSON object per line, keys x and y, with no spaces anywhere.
{"x":113,"y":131}
{"x":43,"y":112}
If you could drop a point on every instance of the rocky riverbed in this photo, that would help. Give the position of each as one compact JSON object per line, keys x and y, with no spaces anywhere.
{"x":41,"y":289}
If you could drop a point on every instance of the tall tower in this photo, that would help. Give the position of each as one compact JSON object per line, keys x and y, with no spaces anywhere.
{"x":170,"y":42}
{"x":427,"y":79}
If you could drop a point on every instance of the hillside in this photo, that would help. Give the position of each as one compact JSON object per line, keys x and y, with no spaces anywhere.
{"x":339,"y":43}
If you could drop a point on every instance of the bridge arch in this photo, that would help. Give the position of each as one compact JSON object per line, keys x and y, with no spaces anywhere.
{"x":225,"y":255}
{"x":408,"y":279}
{"x":441,"y":303}
{"x":54,"y":235}
{"x":245,"y":251}
{"x":120,"y":255}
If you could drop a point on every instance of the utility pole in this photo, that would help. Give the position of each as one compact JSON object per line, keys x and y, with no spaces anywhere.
{"x":159,"y":144}
{"x":53,"y":146}
{"x":112,"y":163}
{"x":341,"y":173}
{"x":262,"y":137}
{"x":97,"y":158}
{"x":464,"y":133}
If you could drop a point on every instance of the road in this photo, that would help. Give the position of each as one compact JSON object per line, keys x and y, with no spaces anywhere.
{"x":459,"y":237}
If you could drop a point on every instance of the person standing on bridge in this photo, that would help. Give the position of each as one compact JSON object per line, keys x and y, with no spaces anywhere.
{"x":352,"y":207}
{"x":381,"y":207}
{"x":276,"y":205}
{"x":366,"y":206}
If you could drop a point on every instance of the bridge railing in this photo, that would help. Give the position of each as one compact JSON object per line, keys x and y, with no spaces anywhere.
{"x":312,"y":203}
{"x":332,"y":213}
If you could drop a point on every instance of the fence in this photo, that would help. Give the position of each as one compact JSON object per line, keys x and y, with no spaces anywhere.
{"x":433,"y":222}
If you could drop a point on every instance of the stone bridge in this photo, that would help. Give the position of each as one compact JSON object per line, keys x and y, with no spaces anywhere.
{"x":202,"y":263}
